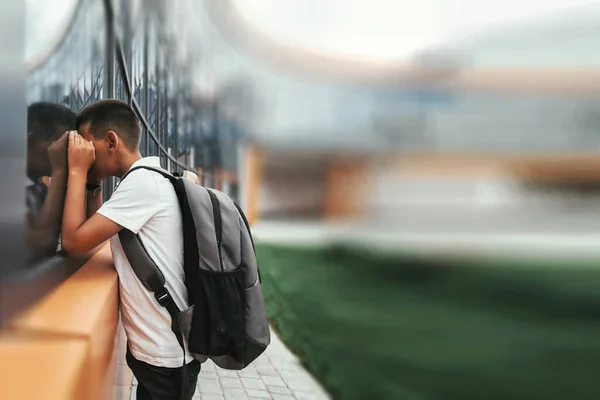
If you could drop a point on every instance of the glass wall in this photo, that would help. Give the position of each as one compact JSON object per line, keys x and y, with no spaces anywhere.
{"x":73,"y":72}
{"x":109,"y":49}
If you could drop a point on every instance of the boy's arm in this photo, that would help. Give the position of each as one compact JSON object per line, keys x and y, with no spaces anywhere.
{"x":78,"y":235}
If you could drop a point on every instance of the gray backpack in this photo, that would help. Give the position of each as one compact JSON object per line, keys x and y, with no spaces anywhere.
{"x":226,"y":321}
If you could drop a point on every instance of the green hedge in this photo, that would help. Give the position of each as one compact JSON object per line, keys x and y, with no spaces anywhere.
{"x":371,"y":327}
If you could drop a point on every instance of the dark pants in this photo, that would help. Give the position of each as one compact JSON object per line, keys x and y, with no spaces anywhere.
{"x":160,"y":383}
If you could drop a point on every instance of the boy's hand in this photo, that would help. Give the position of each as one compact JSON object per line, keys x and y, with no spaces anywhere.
{"x":192,"y":177}
{"x":57,"y":154}
{"x":81,"y":154}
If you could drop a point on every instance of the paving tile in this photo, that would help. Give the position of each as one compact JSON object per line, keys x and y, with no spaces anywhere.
{"x":282,"y":397}
{"x":209,"y":366}
{"x":273,"y":381}
{"x":289,"y":372}
{"x":258,"y":394}
{"x":276,"y":374}
{"x":251,"y":383}
{"x":282,"y":357}
{"x":278,"y":390}
{"x":235,"y":394}
{"x":266,"y":370}
{"x":299,"y":384}
{"x":231,"y":383}
{"x":249,"y":372}
{"x":301,"y":395}
{"x":210,"y":386}
{"x":305,"y":395}
{"x":211,"y":397}
{"x":278,"y":365}
{"x":297,"y":373}
{"x":208,"y":375}
{"x":262,"y":360}
{"x":224,"y":372}
{"x":321,"y":393}
{"x":286,"y":365}
{"x":298,"y":378}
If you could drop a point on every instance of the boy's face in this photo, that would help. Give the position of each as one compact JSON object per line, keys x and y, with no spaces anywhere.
{"x":105,"y":164}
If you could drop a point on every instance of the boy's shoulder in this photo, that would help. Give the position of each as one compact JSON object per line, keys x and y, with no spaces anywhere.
{"x":140,"y":177}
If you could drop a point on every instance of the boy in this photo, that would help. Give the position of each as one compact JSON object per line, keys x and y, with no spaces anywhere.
{"x":105,"y":144}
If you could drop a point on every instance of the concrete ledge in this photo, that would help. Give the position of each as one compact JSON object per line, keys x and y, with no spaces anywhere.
{"x":43,"y":368}
{"x":82,"y":310}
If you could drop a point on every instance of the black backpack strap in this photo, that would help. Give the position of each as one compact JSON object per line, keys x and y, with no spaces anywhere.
{"x":157,"y":170}
{"x":190,"y":246}
{"x":148,"y":272}
{"x":141,"y":263}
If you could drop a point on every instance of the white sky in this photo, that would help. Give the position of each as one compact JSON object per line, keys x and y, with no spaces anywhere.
{"x":377,"y":29}
{"x":387,"y":29}
{"x":44,"y":20}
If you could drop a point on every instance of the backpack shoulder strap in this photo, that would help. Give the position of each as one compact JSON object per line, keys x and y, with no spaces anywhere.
{"x":152,"y":278}
{"x":141,"y":263}
{"x":146,"y":270}
{"x":157,"y":170}
{"x":150,"y":275}
{"x":190,"y":245}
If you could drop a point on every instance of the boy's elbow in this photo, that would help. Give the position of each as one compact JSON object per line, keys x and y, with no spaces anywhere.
{"x":72,"y":248}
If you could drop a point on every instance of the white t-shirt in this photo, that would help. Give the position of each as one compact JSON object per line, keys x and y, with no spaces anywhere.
{"x":146,"y":204}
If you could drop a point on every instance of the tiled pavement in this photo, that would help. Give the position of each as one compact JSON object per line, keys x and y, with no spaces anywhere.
{"x":277,"y":375}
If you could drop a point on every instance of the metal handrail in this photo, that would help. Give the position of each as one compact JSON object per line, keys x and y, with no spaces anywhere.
{"x":122,"y":65}
{"x":136,"y":107}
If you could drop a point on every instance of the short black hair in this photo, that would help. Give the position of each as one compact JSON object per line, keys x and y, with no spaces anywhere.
{"x":114,"y":115}
{"x":49,"y":120}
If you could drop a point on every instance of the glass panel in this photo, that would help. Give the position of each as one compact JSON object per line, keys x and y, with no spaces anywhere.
{"x":68,"y":79}
{"x":138,"y":69}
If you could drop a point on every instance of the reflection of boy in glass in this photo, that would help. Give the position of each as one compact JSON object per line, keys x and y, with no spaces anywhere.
{"x":47,"y":170}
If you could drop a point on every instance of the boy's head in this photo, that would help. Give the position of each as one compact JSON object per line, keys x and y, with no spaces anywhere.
{"x":115,"y":131}
{"x":46,"y":122}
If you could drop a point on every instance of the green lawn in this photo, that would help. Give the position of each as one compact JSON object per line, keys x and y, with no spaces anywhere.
{"x":406,"y":328}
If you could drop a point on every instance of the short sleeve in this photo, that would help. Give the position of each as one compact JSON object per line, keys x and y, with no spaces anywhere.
{"x":134,"y":202}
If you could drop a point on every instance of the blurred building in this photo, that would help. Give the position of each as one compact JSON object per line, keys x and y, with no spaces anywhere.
{"x":471,"y":123}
